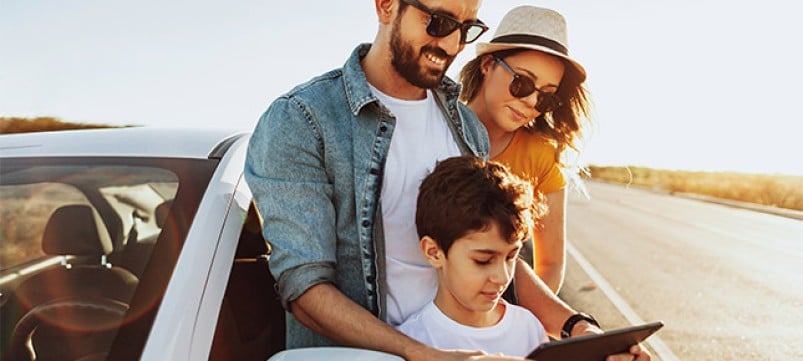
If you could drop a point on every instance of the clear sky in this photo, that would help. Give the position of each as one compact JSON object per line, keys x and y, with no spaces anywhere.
{"x":679,"y":84}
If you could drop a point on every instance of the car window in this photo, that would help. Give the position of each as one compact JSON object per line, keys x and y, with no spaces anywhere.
{"x":79,"y":236}
{"x":251,"y":320}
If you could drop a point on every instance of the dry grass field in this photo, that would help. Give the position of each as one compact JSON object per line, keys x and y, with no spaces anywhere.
{"x":10,"y":125}
{"x":23,"y":215}
{"x":783,"y":191}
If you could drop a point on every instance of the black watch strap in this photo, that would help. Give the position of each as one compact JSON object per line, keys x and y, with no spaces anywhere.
{"x":566,"y":331}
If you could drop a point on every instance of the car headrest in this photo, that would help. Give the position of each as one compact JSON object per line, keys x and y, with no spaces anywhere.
{"x":161,"y":212}
{"x":76,"y":230}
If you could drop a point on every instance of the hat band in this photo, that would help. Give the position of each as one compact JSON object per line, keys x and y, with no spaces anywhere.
{"x":534,"y":40}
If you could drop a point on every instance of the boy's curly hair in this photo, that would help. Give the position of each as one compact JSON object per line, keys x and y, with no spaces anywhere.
{"x":466,"y":193}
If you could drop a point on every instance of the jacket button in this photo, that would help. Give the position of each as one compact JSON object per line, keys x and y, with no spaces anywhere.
{"x":366,"y":223}
{"x":370,"y":279}
{"x":383,"y":129}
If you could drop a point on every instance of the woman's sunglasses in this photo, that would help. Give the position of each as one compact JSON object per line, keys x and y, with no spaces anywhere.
{"x":522,"y":86}
{"x":441,"y":25}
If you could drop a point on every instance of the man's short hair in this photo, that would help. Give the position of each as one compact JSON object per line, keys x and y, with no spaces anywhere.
{"x":466,"y":194}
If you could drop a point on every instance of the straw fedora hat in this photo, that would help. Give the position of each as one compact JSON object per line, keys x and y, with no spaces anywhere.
{"x":531,"y":27}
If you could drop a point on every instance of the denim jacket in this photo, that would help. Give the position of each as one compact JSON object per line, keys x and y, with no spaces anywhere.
{"x":314,"y":164}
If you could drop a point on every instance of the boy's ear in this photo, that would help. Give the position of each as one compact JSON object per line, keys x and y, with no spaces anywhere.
{"x":432,"y":252}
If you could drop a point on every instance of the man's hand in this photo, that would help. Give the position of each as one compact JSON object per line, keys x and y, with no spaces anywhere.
{"x":636,"y":352}
{"x":585,"y":328}
{"x":459,"y":355}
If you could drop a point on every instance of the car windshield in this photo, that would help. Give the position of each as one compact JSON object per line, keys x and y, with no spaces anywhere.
{"x":87,"y":245}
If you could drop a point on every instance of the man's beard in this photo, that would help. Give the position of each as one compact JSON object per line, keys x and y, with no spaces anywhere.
{"x":406,"y":63}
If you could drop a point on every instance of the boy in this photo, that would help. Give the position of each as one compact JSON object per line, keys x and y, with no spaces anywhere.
{"x":472,"y":216}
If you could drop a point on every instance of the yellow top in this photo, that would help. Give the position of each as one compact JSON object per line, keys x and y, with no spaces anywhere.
{"x":531,"y":156}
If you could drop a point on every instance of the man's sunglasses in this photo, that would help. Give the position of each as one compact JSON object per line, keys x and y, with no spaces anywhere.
{"x":522,"y":86}
{"x":441,"y":25}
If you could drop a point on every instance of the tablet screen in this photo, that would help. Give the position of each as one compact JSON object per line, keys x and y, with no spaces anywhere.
{"x":594,"y":347}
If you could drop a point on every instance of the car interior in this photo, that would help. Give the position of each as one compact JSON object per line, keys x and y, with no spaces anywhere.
{"x":251,"y":321}
{"x":63,"y":305}
{"x":77,"y":246}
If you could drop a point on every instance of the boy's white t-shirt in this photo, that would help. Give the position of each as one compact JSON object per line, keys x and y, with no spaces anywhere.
{"x":421,"y":137}
{"x":517,"y":334}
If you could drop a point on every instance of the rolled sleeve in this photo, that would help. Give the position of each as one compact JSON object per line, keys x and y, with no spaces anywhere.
{"x":294,"y":282}
{"x":285,"y":171}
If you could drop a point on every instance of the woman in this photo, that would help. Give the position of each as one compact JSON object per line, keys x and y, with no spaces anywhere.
{"x":529,"y":94}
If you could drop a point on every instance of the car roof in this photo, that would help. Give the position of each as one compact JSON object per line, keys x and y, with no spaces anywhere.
{"x":122,"y":142}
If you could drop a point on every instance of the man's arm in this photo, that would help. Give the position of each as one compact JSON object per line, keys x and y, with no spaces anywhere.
{"x":534,"y":295}
{"x":325,"y":310}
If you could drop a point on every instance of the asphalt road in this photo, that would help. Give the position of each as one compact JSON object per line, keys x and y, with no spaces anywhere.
{"x":727,"y":282}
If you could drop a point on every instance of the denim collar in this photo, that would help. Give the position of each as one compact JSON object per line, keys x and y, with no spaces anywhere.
{"x":359,"y":94}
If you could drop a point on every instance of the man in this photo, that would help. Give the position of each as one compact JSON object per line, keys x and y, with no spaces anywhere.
{"x":335,"y":166}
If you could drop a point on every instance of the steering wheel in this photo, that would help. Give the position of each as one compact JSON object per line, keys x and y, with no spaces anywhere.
{"x":67,"y":329}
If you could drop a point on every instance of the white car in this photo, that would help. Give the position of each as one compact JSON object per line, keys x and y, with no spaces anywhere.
{"x":136,"y":244}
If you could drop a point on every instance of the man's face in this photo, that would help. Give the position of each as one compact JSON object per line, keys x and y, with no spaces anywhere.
{"x":418,"y":57}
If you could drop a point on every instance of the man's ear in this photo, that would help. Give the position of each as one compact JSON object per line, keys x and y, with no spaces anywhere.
{"x":432,"y":252}
{"x":384,"y":10}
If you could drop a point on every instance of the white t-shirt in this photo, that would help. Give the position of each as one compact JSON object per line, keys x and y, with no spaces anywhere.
{"x":421,"y":137}
{"x":516,"y":334}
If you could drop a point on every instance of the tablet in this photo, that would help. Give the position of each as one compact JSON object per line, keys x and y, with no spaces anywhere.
{"x":594,"y":347}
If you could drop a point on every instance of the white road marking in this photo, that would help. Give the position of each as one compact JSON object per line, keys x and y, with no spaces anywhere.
{"x":661,"y":350}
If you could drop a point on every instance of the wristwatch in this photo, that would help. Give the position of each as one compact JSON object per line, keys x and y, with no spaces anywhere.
{"x":575,"y":318}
